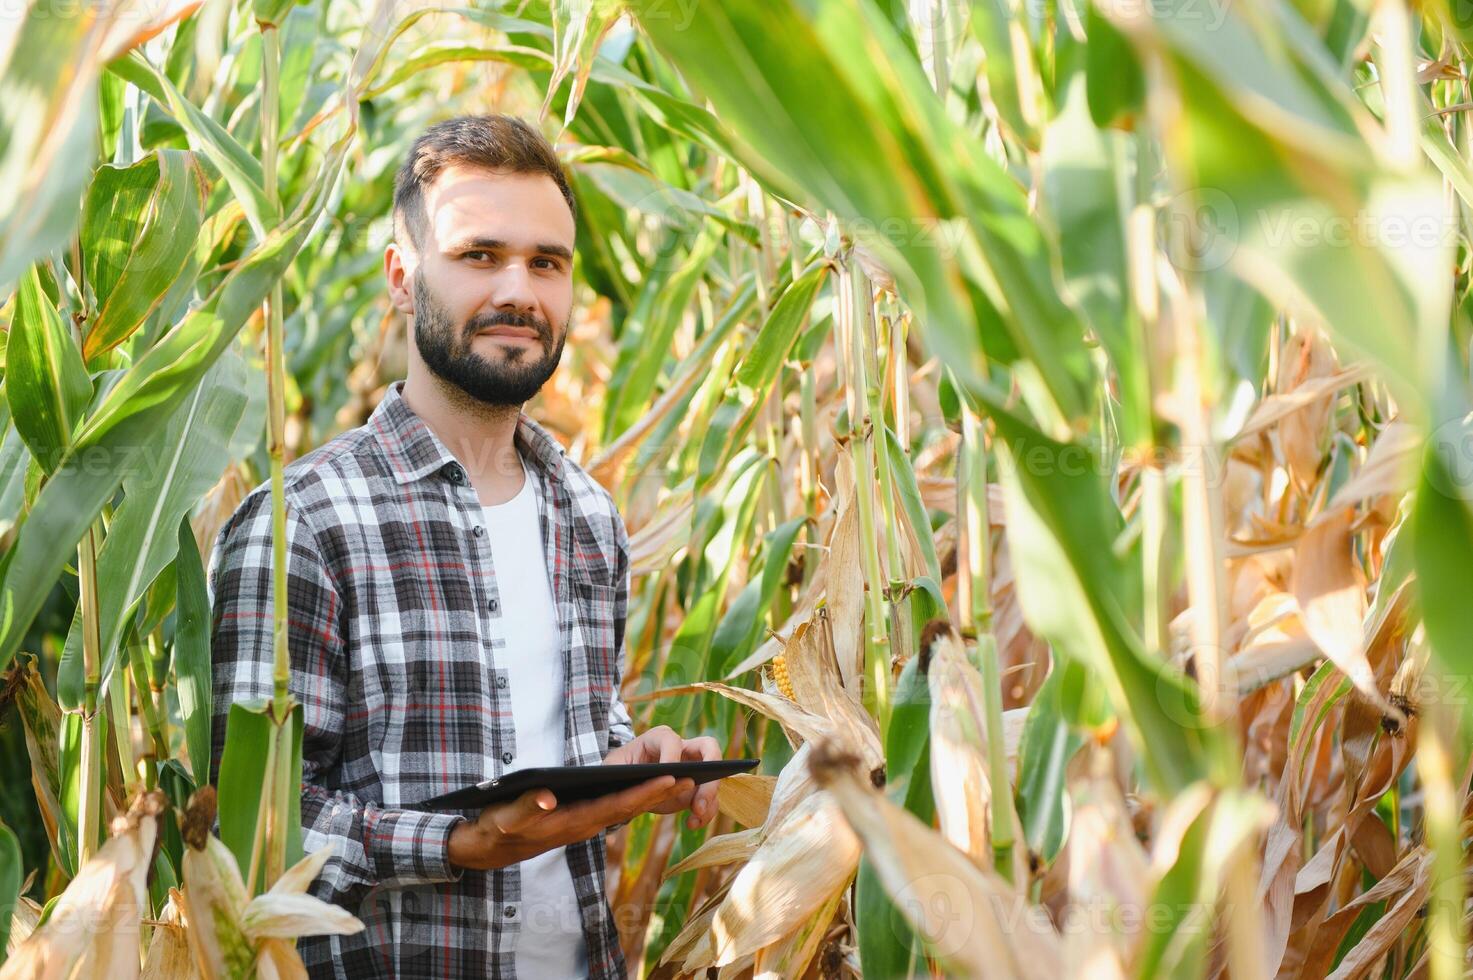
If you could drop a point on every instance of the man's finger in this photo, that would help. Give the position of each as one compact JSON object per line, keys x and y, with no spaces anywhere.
{"x":615,"y":807}
{"x":684,"y":793}
{"x":703,"y":807}
{"x":702,"y":748}
{"x":670,"y":744}
{"x":635,"y":800}
{"x":515,"y":816}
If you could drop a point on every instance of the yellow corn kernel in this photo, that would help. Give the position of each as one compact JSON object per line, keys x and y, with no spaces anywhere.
{"x":780,"y":675}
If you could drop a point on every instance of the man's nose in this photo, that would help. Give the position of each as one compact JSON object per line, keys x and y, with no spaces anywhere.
{"x":513,"y":289}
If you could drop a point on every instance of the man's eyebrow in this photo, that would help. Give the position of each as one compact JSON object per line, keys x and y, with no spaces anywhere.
{"x":552,"y":248}
{"x":496,"y":244}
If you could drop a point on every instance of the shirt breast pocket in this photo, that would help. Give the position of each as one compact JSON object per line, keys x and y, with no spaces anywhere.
{"x":595,"y":605}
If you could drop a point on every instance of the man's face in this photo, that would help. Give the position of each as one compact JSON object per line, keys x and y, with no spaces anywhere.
{"x":497,"y":255}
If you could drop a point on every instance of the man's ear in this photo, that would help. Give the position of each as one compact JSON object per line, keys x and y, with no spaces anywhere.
{"x":399,"y":265}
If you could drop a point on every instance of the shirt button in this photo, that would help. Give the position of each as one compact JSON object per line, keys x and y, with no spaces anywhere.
{"x":495,"y":605}
{"x":501,"y":682}
{"x":509,"y":911}
{"x":506,"y":757}
{"x":479,"y":530}
{"x":455,"y":473}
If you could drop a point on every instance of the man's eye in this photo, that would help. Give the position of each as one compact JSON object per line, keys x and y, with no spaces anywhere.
{"x":550,"y":263}
{"x":469,"y":254}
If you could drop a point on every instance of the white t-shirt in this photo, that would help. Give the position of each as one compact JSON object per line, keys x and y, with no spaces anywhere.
{"x":550,"y":944}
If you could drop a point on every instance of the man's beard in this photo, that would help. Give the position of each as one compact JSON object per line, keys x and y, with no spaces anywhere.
{"x":446,"y":351}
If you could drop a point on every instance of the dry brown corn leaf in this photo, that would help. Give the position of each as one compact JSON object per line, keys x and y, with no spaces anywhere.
{"x":722,"y":849}
{"x":1405,"y":889}
{"x":1388,"y":467}
{"x":1331,"y":591}
{"x":23,"y":922}
{"x":1109,"y":874}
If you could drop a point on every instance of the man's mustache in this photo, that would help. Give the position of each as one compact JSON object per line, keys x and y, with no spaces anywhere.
{"x":544,"y":331}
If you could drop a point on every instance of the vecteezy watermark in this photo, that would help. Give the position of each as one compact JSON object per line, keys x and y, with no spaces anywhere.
{"x":680,"y":13}
{"x":1201,"y":229}
{"x":936,"y":26}
{"x":1079,"y":459}
{"x":1211,"y":14}
{"x":950,"y":915}
{"x":1371,"y":228}
{"x":1452,"y":471}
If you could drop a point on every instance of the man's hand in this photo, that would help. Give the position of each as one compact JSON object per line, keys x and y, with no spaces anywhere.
{"x":661,"y":744}
{"x":533,"y":823}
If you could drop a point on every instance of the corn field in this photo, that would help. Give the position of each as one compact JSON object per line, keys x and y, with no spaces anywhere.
{"x":1043,"y":429}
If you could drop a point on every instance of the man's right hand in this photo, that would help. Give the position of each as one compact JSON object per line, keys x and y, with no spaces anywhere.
{"x":506,"y":833}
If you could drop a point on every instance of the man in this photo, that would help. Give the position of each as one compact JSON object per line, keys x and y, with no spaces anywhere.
{"x":457,"y":593}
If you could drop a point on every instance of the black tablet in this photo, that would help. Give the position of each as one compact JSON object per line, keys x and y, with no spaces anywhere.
{"x":572,"y":783}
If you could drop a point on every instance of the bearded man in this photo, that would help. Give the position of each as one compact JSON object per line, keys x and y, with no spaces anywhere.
{"x":457,"y":595}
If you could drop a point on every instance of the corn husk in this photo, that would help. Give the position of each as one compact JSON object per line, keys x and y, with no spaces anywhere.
{"x":93,"y":929}
{"x":959,"y":776}
{"x":971,"y":920}
{"x":803,"y":856}
{"x":746,"y":797}
{"x":41,"y":721}
{"x":799,"y":867}
{"x":168,"y":956}
{"x":214,"y":899}
{"x":791,"y":956}
{"x":229,"y":933}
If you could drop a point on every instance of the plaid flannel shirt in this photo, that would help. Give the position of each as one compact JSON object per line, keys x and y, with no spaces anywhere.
{"x":399,"y":664}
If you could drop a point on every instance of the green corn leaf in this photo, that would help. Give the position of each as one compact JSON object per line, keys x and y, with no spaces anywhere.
{"x":1116,"y":85}
{"x":161,"y":488}
{"x":241,"y":170}
{"x":192,"y":655}
{"x":1085,"y":192}
{"x":46,"y":384}
{"x":138,"y":238}
{"x":764,"y":358}
{"x":134,"y":409}
{"x":912,"y":504}
{"x":1442,"y":531}
{"x":11,"y":875}
{"x":1077,"y":595}
{"x":740,"y":628}
{"x":249,"y":731}
{"x":48,"y":131}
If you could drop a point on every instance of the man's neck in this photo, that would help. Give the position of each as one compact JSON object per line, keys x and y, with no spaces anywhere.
{"x":481,"y":436}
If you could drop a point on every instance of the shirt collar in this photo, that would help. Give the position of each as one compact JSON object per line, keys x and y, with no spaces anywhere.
{"x":414,"y":451}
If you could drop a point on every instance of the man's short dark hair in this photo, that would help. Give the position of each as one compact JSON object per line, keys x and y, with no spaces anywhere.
{"x":494,"y":142}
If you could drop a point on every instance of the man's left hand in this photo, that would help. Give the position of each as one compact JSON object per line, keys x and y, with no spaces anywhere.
{"x":662,"y":744}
